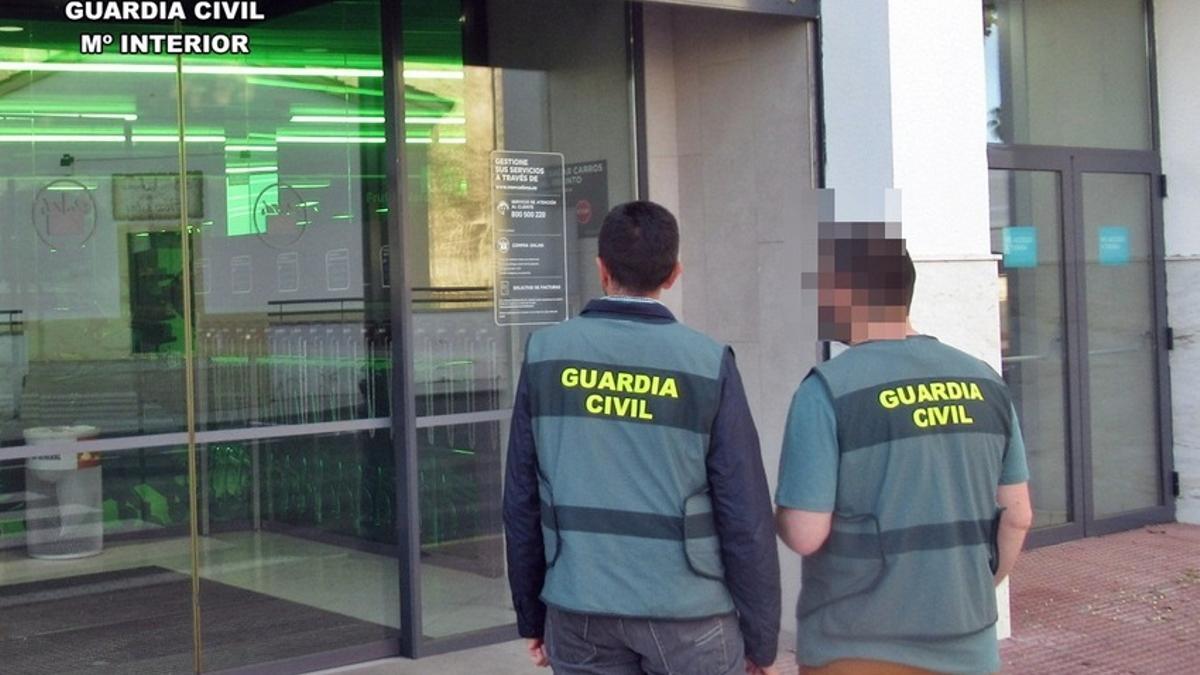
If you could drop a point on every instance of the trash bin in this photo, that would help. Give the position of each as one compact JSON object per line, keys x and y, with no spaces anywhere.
{"x":64,"y":517}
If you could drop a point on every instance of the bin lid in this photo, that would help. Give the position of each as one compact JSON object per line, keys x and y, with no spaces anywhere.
{"x":36,"y":435}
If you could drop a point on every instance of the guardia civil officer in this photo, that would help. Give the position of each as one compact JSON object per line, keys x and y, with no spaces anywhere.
{"x":902,"y":482}
{"x":636,"y":509}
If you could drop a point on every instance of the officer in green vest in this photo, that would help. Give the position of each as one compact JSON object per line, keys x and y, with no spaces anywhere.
{"x":903,"y":481}
{"x":636,"y":509}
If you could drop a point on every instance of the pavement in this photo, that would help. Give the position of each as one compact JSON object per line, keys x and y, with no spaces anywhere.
{"x":1125,"y":604}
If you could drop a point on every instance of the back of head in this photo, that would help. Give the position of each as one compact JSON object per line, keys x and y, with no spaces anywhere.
{"x":880,"y":270}
{"x":639,"y":245}
{"x":863,"y":280}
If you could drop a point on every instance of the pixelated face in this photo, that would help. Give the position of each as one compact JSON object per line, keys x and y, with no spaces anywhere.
{"x":857,"y":282}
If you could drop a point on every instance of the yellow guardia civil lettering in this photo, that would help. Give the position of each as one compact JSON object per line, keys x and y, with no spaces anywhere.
{"x":618,"y":382}
{"x":934,"y":392}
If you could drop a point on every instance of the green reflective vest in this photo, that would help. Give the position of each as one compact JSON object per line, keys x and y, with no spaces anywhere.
{"x":922,"y":431}
{"x":622,"y":410}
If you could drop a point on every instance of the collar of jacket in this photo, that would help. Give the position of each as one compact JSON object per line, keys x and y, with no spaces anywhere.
{"x":636,"y":310}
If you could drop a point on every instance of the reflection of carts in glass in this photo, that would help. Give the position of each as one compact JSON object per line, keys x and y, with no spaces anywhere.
{"x":459,"y":455}
{"x":12,"y":361}
{"x":461,"y":378}
{"x":293,"y":414}
{"x":316,"y":373}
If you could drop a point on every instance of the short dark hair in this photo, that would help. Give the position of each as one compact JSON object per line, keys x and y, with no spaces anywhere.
{"x":881,"y":267}
{"x":639,"y":244}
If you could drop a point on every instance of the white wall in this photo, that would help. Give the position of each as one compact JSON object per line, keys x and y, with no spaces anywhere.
{"x":858,"y":106}
{"x":1176,"y":25}
{"x":939,"y":143}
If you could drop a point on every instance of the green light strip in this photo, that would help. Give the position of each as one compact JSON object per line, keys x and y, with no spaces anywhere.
{"x":203,"y":69}
{"x":339,"y":119}
{"x":374,"y":119}
{"x":251,"y":148}
{"x":99,"y":104}
{"x":330,"y":139}
{"x":174,"y":138}
{"x":308,"y":86}
{"x":192,"y":69}
{"x":15,"y":114}
{"x":251,"y":169}
{"x":336,"y":110}
{"x":105,"y":138}
{"x":60,"y":138}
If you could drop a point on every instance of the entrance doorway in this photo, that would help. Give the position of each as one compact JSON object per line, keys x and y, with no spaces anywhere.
{"x":1084,"y":333}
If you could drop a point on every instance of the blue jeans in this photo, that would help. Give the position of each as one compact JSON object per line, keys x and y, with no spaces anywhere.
{"x":584,"y":644}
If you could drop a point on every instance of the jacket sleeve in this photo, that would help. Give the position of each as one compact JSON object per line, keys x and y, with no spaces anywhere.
{"x":522,"y":518}
{"x":744,"y":519}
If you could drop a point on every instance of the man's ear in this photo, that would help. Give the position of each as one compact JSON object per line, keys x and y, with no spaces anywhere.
{"x":674,"y":276}
{"x":603,"y":273}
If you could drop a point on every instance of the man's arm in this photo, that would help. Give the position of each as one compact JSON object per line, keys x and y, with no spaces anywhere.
{"x":808,"y":470}
{"x":1012,"y":495}
{"x":742,"y":511}
{"x":1015,"y":522}
{"x":804,"y":532}
{"x":522,"y":519}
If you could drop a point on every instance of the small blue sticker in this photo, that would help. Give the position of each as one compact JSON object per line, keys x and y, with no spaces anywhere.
{"x":1114,"y":245}
{"x":1020,"y":246}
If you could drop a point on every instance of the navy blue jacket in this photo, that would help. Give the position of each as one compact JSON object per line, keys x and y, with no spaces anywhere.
{"x":738,"y":487}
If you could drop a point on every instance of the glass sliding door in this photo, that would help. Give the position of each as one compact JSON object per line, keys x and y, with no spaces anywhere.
{"x":264,"y":218}
{"x":1122,"y":343}
{"x":545,"y":85}
{"x":95,"y":557}
{"x":293,"y":341}
{"x":1083,"y":330}
{"x":1027,"y":230}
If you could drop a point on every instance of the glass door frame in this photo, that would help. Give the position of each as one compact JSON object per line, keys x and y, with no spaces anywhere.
{"x":1070,"y":163}
{"x":413,"y":643}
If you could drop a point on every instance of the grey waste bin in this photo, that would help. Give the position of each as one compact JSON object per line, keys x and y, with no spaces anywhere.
{"x":64,"y":516}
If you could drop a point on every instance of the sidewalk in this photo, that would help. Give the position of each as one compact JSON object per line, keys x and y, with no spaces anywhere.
{"x":1127,"y":603}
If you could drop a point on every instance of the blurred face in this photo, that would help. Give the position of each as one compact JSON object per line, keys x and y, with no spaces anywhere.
{"x":834,"y":307}
{"x":844,"y":313}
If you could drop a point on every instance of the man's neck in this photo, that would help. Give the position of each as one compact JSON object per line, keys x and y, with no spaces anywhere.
{"x":621,"y":293}
{"x":883,"y":330}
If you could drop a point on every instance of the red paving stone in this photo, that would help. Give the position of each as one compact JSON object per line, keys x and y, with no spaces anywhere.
{"x":1127,"y":603}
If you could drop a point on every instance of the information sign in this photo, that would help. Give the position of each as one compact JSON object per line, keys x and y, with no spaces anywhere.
{"x":529,"y":226}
